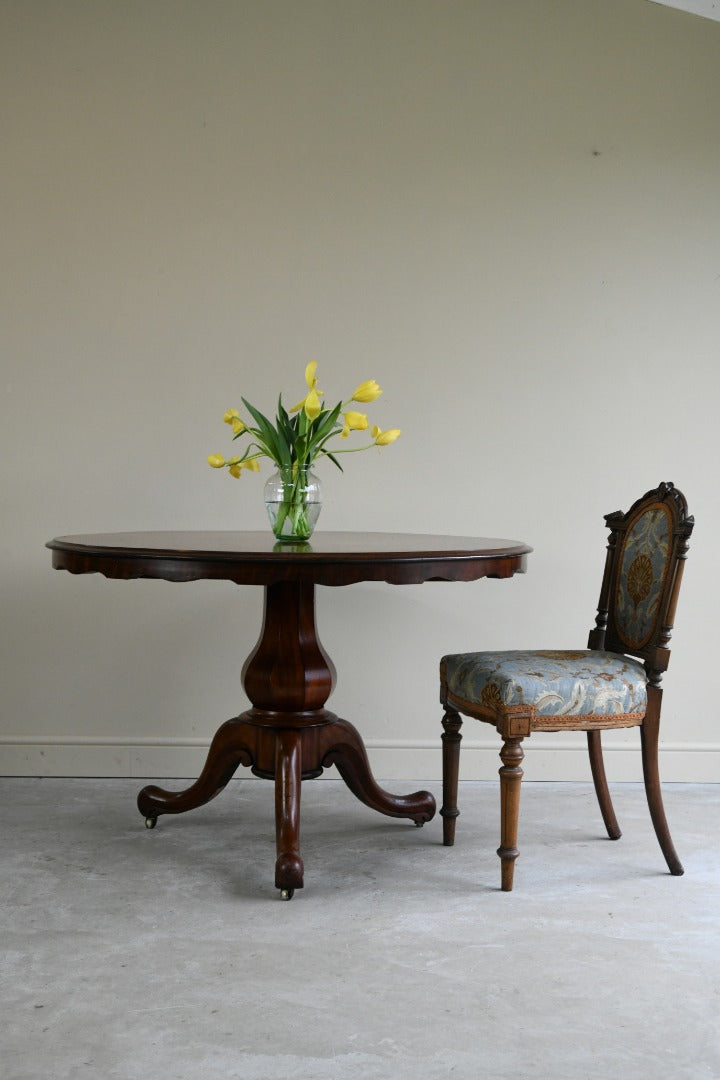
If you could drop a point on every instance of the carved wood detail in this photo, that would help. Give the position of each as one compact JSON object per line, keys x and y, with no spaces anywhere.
{"x":451,"y":739}
{"x":511,"y":775}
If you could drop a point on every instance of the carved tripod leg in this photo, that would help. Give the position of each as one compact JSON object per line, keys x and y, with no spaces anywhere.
{"x":288,"y":781}
{"x":344,"y":748}
{"x":451,"y":739}
{"x":510,"y":779}
{"x":649,"y":732}
{"x":233,"y":745}
{"x":601,"y":788}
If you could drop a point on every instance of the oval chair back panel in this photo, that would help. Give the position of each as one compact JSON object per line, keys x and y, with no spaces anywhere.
{"x":646,"y":552}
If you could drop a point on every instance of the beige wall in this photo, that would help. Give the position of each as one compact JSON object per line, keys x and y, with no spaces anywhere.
{"x":507,"y":213}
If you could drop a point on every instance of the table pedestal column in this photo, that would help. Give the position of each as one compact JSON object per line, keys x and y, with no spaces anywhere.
{"x":287,"y":736}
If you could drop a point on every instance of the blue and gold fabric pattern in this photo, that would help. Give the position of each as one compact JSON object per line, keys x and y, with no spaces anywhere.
{"x":554,"y":683}
{"x":645,"y":559}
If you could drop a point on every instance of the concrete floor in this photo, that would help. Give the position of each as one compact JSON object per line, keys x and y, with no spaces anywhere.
{"x":129,"y":954}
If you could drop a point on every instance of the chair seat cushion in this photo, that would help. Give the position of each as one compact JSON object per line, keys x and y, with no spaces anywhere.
{"x":580,"y":683}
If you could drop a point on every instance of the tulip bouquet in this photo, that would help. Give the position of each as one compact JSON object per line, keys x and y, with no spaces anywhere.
{"x":294,"y":442}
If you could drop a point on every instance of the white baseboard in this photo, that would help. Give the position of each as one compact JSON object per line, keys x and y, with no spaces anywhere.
{"x":546,"y":758}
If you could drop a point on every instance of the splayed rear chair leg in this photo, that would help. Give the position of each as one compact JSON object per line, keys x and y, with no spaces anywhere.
{"x":597,"y":766}
{"x":649,"y":733}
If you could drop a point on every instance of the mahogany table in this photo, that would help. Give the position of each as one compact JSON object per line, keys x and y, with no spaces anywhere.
{"x":287,"y":735}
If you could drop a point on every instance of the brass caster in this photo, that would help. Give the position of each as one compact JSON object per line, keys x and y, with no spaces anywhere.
{"x":150,"y":822}
{"x":287,"y":894}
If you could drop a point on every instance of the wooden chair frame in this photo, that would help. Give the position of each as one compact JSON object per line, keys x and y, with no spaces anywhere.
{"x":606,"y":635}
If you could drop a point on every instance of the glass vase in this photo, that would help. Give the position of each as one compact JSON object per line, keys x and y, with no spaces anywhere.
{"x":293,"y":499}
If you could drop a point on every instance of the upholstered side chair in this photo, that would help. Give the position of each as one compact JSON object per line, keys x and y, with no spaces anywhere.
{"x":614,"y":683}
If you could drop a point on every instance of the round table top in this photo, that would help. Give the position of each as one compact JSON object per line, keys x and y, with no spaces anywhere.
{"x":256,"y":558}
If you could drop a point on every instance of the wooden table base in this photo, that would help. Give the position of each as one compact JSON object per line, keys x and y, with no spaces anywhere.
{"x":287,"y":755}
{"x":287,"y":736}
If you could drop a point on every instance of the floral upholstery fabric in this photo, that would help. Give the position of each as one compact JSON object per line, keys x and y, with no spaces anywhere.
{"x":643,"y":568}
{"x":555,"y":683}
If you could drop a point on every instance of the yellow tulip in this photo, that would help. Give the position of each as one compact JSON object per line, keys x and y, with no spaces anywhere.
{"x":310,"y":379}
{"x":367,"y":391}
{"x":384,"y":438}
{"x":217,"y":461}
{"x":312,"y":405}
{"x":356,"y":421}
{"x":237,"y":426}
{"x":230,"y":415}
{"x":236,"y":466}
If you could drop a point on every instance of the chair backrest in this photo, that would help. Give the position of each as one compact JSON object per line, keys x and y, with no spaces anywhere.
{"x":646,"y":553}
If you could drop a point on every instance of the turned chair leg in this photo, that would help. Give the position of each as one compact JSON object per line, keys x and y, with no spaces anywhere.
{"x":649,"y":733}
{"x":511,"y":775}
{"x":601,"y":788}
{"x":451,"y":739}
